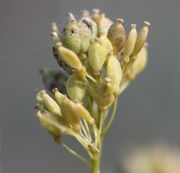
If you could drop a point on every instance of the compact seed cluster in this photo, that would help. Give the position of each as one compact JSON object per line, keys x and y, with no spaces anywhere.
{"x":99,"y":60}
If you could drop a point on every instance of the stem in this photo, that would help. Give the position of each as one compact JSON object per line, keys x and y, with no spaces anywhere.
{"x":96,"y":160}
{"x":75,"y":154}
{"x":112,"y":117}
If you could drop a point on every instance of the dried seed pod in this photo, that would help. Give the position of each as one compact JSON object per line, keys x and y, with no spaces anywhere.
{"x":69,"y":56}
{"x":117,"y":35}
{"x":75,"y":87}
{"x":114,"y":72}
{"x":141,"y":39}
{"x":96,"y":55}
{"x":53,"y":123}
{"x":139,"y":63}
{"x":48,"y":102}
{"x":130,"y":43}
{"x":76,"y":36}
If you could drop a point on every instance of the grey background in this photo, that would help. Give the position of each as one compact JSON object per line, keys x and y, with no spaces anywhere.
{"x":148,"y":110}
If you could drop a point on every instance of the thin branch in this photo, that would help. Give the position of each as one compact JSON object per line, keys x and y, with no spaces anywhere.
{"x":75,"y":154}
{"x":112,"y":117}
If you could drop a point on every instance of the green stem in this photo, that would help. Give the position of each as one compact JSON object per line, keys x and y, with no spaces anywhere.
{"x":75,"y":154}
{"x":112,"y":116}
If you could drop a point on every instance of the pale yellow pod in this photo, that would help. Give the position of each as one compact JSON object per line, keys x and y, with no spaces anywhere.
{"x":58,"y":96}
{"x":141,"y":39}
{"x":140,"y":63}
{"x":84,"y":113}
{"x":130,"y":43}
{"x":69,"y":57}
{"x":114,"y":72}
{"x":52,"y":123}
{"x":96,"y":55}
{"x":105,"y":42}
{"x":75,"y":87}
{"x":49,"y":103}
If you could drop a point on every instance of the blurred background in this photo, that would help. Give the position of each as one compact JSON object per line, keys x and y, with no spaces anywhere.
{"x":148,"y":110}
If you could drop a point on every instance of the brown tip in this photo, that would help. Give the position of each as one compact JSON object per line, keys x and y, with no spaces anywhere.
{"x":110,"y":53}
{"x":146,"y":23}
{"x":120,"y":20}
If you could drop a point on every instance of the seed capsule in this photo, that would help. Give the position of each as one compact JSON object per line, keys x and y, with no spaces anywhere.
{"x":84,"y":113}
{"x":75,"y":87}
{"x":76,"y":36}
{"x":49,"y":103}
{"x":130,"y":43}
{"x":96,"y":55}
{"x":71,"y":111}
{"x":105,"y":42}
{"x":114,"y":72}
{"x":117,"y":35}
{"x":52,"y":123}
{"x":142,"y":37}
{"x":69,"y":56}
{"x":140,"y":62}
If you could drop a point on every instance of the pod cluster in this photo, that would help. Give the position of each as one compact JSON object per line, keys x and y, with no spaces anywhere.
{"x":99,"y":60}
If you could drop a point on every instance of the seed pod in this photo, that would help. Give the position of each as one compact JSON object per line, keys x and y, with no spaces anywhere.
{"x":75,"y":87}
{"x":52,"y":123}
{"x":141,"y":39}
{"x":96,"y":55}
{"x":117,"y":35}
{"x":140,"y":63}
{"x":130,"y":43}
{"x":105,"y":42}
{"x":84,"y":113}
{"x":76,"y":36}
{"x":61,"y":62}
{"x":114,"y":72}
{"x":49,"y":103}
{"x":69,"y":56}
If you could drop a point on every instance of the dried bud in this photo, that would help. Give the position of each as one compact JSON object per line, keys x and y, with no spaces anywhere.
{"x":114,"y":72}
{"x":117,"y":35}
{"x":130,"y":43}
{"x":48,"y":102}
{"x":53,"y":123}
{"x":96,"y":55}
{"x":141,"y":39}
{"x":69,"y":56}
{"x":75,"y":87}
